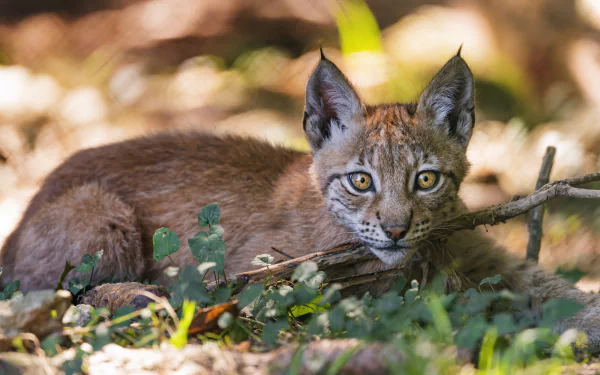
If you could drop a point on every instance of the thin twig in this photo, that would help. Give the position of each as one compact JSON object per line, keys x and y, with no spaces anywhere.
{"x":349,"y":254}
{"x":536,"y":215}
{"x":500,"y":213}
{"x":282,"y":253}
{"x":338,"y":256}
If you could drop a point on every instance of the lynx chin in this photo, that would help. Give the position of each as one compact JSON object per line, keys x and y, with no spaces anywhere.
{"x":384,"y":175}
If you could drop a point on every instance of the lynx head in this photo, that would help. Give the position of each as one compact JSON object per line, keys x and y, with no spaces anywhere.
{"x":390,"y":172}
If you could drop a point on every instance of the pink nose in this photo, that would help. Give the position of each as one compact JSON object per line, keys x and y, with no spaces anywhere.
{"x":396,"y":233}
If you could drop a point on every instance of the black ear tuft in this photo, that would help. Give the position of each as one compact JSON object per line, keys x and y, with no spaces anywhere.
{"x":448,"y":102}
{"x":332,"y":105}
{"x":322,"y":53}
{"x":459,"y":50}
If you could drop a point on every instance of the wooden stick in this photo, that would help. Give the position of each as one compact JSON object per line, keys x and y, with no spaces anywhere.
{"x":282,"y":253}
{"x":348,"y":254}
{"x":536,"y":215}
{"x":500,"y":213}
{"x":339,"y":256}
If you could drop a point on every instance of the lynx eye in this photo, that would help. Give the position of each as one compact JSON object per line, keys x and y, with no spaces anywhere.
{"x":360,"y":181}
{"x":426,"y":180}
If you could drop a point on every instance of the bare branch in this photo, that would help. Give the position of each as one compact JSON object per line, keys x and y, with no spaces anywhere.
{"x":581,"y":180}
{"x":572,"y":192}
{"x":536,"y":215}
{"x":344,"y":256}
{"x":500,"y":213}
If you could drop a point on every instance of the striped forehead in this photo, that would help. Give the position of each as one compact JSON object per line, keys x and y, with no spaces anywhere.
{"x":388,"y":128}
{"x":394,"y":156}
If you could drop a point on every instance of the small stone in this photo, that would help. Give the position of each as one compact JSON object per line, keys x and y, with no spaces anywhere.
{"x":78,"y":315}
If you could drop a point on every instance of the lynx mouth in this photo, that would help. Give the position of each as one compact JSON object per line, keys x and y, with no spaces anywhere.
{"x":393,"y":255}
{"x":390,"y":248}
{"x":394,"y":248}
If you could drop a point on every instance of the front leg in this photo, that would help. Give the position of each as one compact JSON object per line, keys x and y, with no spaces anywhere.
{"x":476,"y":256}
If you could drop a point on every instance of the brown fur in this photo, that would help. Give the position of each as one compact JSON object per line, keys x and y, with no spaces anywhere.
{"x":113,"y":198}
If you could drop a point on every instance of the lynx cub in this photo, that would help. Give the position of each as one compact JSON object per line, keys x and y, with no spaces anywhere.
{"x":383,"y":175}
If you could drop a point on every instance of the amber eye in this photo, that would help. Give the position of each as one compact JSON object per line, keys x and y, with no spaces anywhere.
{"x":426,"y":180}
{"x":360,"y":180}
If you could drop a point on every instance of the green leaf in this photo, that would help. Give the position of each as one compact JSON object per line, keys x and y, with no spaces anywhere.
{"x":399,"y":285}
{"x":262,"y":260}
{"x":491,"y":280}
{"x":179,"y":339}
{"x":216,"y":230}
{"x":209,"y":215}
{"x":337,"y":318}
{"x":86,"y":264}
{"x":102,"y":337}
{"x":11,"y":288}
{"x":258,"y":305}
{"x":305,"y":271}
{"x":411,"y":295}
{"x":121,"y":312}
{"x":73,"y":366}
{"x":572,"y":275}
{"x":225,"y":320}
{"x":304,"y":294}
{"x":165,"y":242}
{"x":283,"y":297}
{"x":389,"y":303}
{"x":472,"y":332}
{"x":331,"y":294}
{"x":480,"y":301}
{"x":68,"y":267}
{"x":250,"y":294}
{"x":50,"y":343}
{"x":317,"y":324}
{"x":222,"y":294}
{"x":198,"y":244}
{"x":558,"y":309}
{"x":217,"y":246}
{"x":316,"y":281}
{"x":308,"y":308}
{"x":208,"y":249}
{"x":271,"y":331}
{"x":97,"y":256}
{"x":76,"y":285}
{"x":191,"y":286}
{"x":505,"y":323}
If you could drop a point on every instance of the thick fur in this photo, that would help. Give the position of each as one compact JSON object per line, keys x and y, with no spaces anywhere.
{"x":113,"y":198}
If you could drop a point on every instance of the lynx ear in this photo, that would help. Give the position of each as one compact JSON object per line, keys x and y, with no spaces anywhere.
{"x":448,"y":102}
{"x":332,"y":108}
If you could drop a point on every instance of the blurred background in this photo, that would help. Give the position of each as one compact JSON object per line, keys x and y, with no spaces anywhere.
{"x":77,"y":74}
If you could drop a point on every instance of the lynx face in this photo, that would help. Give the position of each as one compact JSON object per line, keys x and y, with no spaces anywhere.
{"x":389,"y":173}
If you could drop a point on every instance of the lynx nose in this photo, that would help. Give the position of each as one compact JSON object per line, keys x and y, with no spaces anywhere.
{"x":396,"y":233}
